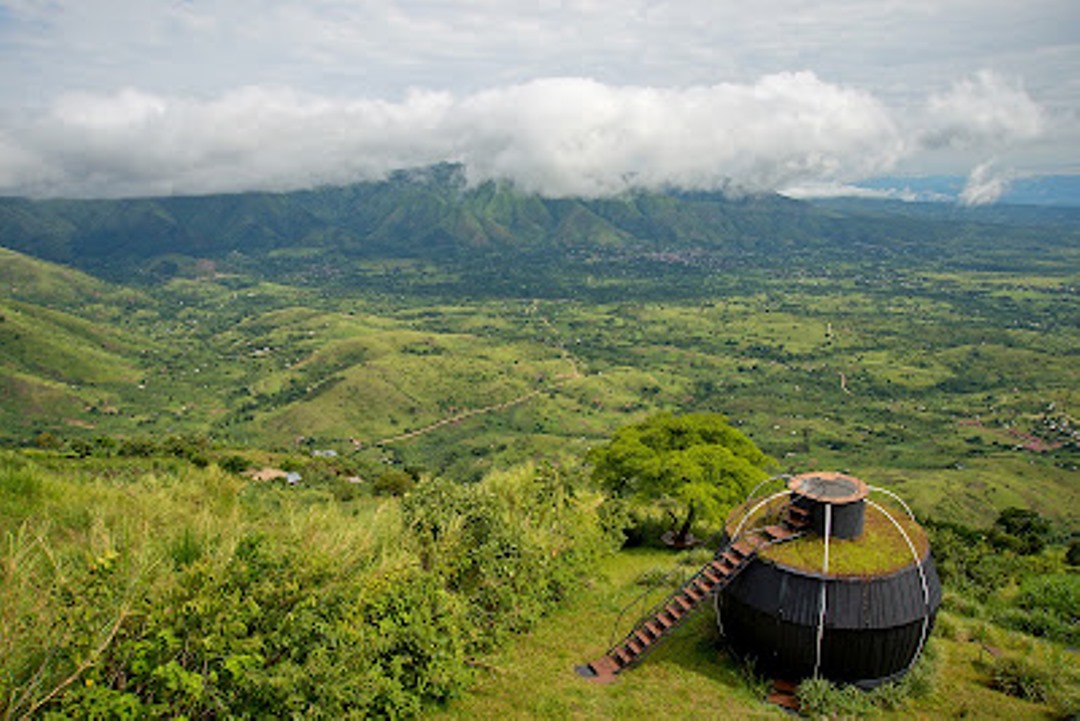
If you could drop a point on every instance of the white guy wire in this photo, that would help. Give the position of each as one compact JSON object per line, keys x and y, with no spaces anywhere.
{"x":824,"y":585}
{"x":922,"y":578}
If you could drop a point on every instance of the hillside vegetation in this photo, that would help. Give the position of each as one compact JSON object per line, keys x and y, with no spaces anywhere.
{"x":156,"y":588}
{"x":437,"y":361}
{"x":960,"y":388}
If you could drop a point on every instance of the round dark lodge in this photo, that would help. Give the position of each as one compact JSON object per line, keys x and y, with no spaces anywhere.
{"x":852,"y":600}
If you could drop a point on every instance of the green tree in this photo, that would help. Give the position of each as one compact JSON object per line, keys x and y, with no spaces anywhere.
{"x":697,"y":460}
{"x":1024,"y":530}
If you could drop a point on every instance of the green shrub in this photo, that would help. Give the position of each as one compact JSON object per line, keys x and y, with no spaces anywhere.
{"x":234,"y":464}
{"x":1021,"y":530}
{"x":393,"y":482}
{"x":1046,"y":607}
{"x":819,"y":697}
{"x":280,"y":630}
{"x":512,"y":546}
{"x":171,"y":594}
{"x":1058,"y":593}
{"x":1072,"y":555}
{"x":1020,"y":677}
{"x":1043,"y":675}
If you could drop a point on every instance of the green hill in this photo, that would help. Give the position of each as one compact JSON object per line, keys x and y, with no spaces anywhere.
{"x":65,"y":354}
{"x":58,"y":370}
{"x":31,"y":280}
{"x":432,"y":213}
{"x":466,"y":328}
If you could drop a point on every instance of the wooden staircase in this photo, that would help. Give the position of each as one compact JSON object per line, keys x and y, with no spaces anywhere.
{"x":785,"y":694}
{"x":655,"y":625}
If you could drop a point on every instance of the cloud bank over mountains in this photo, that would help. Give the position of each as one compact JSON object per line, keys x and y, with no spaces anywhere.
{"x":558,"y":136}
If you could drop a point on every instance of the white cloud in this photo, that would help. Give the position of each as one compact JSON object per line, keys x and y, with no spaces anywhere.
{"x":985,"y":185}
{"x":983,"y":109}
{"x":845,"y":190}
{"x":556,"y":136}
{"x":563,"y":96}
{"x":349,"y":47}
{"x":578,"y":137}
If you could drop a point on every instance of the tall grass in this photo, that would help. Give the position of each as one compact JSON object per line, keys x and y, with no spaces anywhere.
{"x":820,"y":698}
{"x":128,"y":590}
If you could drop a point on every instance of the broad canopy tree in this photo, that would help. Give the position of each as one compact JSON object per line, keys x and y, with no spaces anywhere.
{"x":697,"y":460}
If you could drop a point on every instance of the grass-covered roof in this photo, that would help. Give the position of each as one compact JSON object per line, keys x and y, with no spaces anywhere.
{"x":880,"y":550}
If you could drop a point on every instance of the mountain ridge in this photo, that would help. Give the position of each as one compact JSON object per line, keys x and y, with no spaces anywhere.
{"x":408,"y":214}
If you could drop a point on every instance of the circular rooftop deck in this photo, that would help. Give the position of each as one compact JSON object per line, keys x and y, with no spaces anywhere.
{"x":834,"y":488}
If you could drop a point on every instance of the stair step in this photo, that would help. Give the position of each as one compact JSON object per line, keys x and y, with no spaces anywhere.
{"x":654,"y":627}
{"x":742,"y":548}
{"x":781,"y":684}
{"x":713,"y":578}
{"x":777,"y":532}
{"x":634,"y":646}
{"x":641,"y":636}
{"x":693,"y":594}
{"x":797,"y":516}
{"x":621,"y":656}
{"x":719,"y":567}
{"x":783,"y":700}
{"x":605,"y":669}
{"x":784,"y":694}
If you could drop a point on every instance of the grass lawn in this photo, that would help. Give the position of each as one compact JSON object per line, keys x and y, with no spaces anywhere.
{"x":689,"y":675}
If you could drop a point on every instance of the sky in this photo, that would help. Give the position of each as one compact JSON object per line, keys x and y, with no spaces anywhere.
{"x":113,"y":98}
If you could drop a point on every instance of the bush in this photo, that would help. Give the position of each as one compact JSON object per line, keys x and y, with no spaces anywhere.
{"x":1046,"y":607}
{"x":1022,"y":530}
{"x":393,"y":482}
{"x":1021,"y":678}
{"x":271,"y":629}
{"x":234,"y":464}
{"x":970,"y":563}
{"x":269,"y":605}
{"x":512,"y":546}
{"x":1072,"y":556}
{"x":644,"y":525}
{"x":819,"y":697}
{"x":1042,"y":675}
